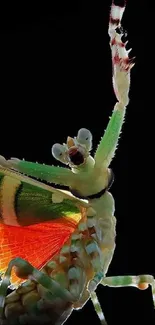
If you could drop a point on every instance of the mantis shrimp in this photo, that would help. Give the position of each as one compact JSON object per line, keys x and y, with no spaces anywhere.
{"x":56,"y":245}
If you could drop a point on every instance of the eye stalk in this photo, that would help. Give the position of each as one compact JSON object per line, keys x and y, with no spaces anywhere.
{"x":84,"y":137}
{"x":59,"y":152}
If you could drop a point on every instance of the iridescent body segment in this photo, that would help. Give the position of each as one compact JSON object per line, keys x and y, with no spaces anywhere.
{"x":55,"y":245}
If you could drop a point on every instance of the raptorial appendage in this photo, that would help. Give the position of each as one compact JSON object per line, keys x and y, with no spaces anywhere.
{"x":121,"y":67}
{"x":121,"y":62}
{"x":77,"y":152}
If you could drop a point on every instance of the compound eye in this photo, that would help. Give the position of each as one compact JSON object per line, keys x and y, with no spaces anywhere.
{"x":58,"y":152}
{"x":84,"y":137}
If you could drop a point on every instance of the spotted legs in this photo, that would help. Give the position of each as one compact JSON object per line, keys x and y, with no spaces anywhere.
{"x":26,"y":270}
{"x":139,"y":281}
{"x":98,"y":308}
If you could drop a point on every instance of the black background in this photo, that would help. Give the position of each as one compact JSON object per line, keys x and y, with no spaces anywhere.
{"x":55,"y":76}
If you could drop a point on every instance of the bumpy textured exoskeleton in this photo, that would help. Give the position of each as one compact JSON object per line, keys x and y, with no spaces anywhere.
{"x":67,"y":281}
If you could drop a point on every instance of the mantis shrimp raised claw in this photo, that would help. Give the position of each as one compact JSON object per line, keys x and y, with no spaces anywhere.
{"x":56,"y":245}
